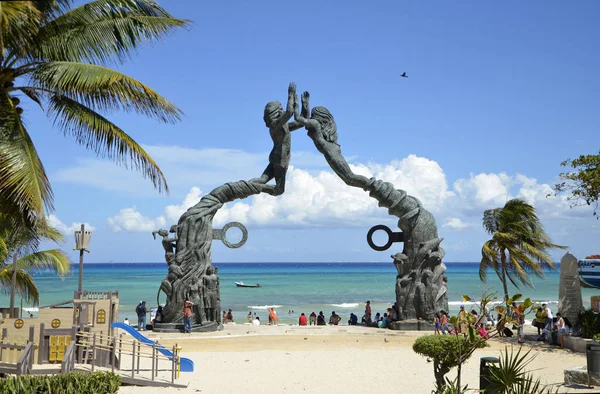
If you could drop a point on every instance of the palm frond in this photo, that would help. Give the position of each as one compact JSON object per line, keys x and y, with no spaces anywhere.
{"x":33,"y":94}
{"x":105,"y":31}
{"x":25,"y":284}
{"x":53,"y":259}
{"x":23,"y":180}
{"x":103,"y":89}
{"x":97,"y":133}
{"x":490,"y":220}
{"x":19,"y":22}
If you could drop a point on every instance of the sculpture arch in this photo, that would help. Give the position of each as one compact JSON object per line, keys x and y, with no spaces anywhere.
{"x":421,"y":287}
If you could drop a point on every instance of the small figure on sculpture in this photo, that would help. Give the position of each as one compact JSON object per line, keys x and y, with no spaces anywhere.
{"x":279,"y":128}
{"x":169,"y":244}
{"x":323,"y":131}
{"x":194,"y":294}
{"x":210,"y":290}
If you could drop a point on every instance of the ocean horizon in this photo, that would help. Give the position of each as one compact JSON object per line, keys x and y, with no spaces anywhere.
{"x":289,"y":287}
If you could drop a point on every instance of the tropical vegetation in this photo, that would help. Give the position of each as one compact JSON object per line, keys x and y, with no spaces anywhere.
{"x":65,"y":383}
{"x":583,"y":183}
{"x":21,"y":255}
{"x":59,"y":57}
{"x":518,"y":247}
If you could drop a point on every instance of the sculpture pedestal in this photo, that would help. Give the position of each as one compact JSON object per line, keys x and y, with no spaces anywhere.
{"x":412,"y":325}
{"x":178,"y":327}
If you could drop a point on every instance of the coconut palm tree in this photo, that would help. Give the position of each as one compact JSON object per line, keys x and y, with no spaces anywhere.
{"x":58,"y":57}
{"x":519,"y":245}
{"x":21,"y":255}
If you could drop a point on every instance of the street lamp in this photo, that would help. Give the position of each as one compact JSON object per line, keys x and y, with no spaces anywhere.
{"x":82,"y":240}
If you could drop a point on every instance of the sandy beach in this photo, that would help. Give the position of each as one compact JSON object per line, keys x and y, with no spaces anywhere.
{"x":325,"y":359}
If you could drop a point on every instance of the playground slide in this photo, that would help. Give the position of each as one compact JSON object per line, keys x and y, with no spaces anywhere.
{"x":187,"y":365}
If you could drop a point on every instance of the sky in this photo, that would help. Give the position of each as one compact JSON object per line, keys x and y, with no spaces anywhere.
{"x":498,"y":94}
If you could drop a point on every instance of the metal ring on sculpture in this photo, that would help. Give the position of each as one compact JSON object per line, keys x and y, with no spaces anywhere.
{"x":222,"y":234}
{"x":392,"y":237}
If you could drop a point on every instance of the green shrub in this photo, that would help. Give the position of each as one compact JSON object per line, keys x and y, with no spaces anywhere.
{"x":69,"y":383}
{"x":588,"y":323}
{"x":446,"y":352}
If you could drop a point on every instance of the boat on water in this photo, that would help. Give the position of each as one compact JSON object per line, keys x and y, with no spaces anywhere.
{"x":242,"y":284}
{"x":589,"y":271}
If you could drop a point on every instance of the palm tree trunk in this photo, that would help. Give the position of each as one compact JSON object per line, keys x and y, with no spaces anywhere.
{"x":504,"y":284}
{"x":13,"y":286}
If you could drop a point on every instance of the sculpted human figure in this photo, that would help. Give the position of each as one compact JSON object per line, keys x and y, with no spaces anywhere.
{"x":323,"y":131}
{"x":279,"y":129}
{"x":195,"y":295}
{"x":210,"y":290}
{"x":424,"y":300}
{"x":167,"y":243}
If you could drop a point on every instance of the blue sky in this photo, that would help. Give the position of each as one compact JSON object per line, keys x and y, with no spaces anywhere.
{"x":498,"y":95}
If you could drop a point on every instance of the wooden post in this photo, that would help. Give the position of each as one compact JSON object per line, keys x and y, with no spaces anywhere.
{"x":157,"y":345}
{"x":4,"y":333}
{"x":120,"y":349}
{"x":31,"y":333}
{"x":138,"y":356}
{"x":42,"y":346}
{"x":153,"y":359}
{"x":173,"y":365}
{"x":133,"y":360}
{"x":102,"y":352}
{"x":13,"y":285}
{"x":114,"y":354}
{"x":93,"y":351}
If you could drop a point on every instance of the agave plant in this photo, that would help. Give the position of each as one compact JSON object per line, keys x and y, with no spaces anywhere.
{"x":59,"y":57}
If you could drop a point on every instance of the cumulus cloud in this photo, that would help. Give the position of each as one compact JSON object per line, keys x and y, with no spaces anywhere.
{"x":321,"y":199}
{"x":456,"y":223}
{"x":55,"y":222}
{"x":131,"y":219}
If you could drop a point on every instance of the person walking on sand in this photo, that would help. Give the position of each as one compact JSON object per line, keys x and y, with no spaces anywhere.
{"x":437,"y":322}
{"x":444,"y":322}
{"x":273,"y":317}
{"x":188,"y":314}
{"x":368,"y":314}
{"x":313,"y":319}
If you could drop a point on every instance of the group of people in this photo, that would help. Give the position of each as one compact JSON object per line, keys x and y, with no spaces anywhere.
{"x":141,"y":311}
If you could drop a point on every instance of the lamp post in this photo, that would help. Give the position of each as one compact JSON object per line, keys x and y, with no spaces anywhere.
{"x":82,"y":240}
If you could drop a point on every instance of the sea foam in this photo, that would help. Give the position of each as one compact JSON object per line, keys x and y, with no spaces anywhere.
{"x":263,"y":306}
{"x":346,"y":305}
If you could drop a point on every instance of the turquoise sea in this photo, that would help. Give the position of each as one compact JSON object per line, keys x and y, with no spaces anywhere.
{"x":297,"y":287}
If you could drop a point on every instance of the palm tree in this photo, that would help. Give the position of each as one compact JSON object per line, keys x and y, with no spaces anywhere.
{"x":21,"y":246}
{"x":519,"y":245}
{"x":59,"y":58}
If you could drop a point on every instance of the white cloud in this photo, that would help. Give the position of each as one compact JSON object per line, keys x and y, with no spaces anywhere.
{"x":456,"y":223}
{"x":321,"y":199}
{"x":130,"y":219}
{"x":55,"y":222}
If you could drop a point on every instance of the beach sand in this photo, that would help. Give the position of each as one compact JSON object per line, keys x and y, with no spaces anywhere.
{"x":325,"y":359}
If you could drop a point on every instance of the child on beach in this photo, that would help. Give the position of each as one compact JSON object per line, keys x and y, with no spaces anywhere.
{"x":436,"y":321}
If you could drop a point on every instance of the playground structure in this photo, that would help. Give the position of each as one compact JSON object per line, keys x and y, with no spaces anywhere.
{"x":80,"y":334}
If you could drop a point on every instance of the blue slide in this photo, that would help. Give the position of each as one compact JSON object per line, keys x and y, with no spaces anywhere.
{"x":187,"y":365}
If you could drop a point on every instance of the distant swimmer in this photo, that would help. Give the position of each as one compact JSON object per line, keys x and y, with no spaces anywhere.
{"x":404,"y":75}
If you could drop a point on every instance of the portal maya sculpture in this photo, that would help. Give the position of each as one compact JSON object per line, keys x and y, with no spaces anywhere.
{"x":421,"y":287}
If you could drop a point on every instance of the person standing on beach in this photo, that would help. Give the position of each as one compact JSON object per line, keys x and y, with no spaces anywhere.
{"x":188,"y":315}
{"x":250,"y":317}
{"x":368,"y":314}
{"x":313,"y":319}
{"x":141,"y":312}
{"x":321,"y":319}
{"x":549,"y":317}
{"x":444,"y":322}
{"x":273,"y":317}
{"x":437,"y":322}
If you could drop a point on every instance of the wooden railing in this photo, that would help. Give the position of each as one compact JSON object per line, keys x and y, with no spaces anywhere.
{"x":68,"y":362}
{"x":101,"y":350}
{"x":26,"y":360}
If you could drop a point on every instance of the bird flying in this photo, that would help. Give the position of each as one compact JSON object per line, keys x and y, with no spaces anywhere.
{"x":404,"y":75}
